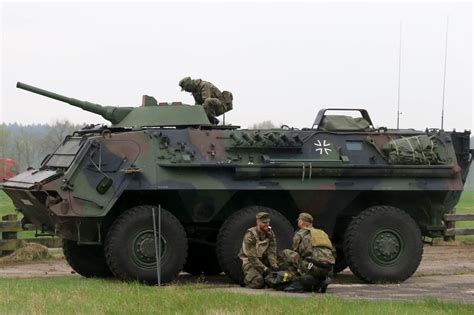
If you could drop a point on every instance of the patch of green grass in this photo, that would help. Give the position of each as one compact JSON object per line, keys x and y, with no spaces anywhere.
{"x":465,"y":205}
{"x":6,"y":204}
{"x":86,"y":296}
{"x":7,"y":207}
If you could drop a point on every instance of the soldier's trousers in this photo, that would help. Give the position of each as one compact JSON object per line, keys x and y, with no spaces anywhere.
{"x":214,"y":107}
{"x":253,"y":277}
{"x":308,"y":274}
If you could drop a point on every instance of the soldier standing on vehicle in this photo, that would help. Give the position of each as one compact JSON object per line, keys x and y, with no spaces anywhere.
{"x":312,"y":258}
{"x":258,"y":252}
{"x":214,"y":101}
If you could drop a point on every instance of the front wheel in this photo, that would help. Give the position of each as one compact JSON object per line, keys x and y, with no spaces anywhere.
{"x":130,"y":246}
{"x":87,"y":260}
{"x":383,"y":244}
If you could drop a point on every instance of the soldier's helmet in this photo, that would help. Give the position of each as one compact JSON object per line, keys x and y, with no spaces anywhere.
{"x":185,"y":83}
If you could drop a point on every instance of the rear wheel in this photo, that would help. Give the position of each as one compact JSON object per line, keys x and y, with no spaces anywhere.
{"x":383,"y":244}
{"x":87,"y":260}
{"x":130,"y":246}
{"x":231,"y":234}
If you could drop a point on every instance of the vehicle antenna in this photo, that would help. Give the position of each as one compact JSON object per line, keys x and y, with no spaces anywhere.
{"x":399,"y":76}
{"x":444,"y":76}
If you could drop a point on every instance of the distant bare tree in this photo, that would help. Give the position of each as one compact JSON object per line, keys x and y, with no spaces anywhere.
{"x":29,"y":144}
{"x":56,"y":133}
{"x":267,"y":124}
{"x":23,"y":145}
{"x":4,"y":141}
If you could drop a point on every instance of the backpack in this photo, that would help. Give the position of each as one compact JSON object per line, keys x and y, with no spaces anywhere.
{"x":416,"y":150}
{"x":278,"y":280}
{"x":228,"y":98}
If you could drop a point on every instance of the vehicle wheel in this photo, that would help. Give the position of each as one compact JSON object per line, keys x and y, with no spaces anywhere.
{"x":341,"y":262}
{"x":202,"y":259}
{"x":231,"y":234}
{"x":87,"y":260}
{"x":130,"y":246}
{"x":383,"y":244}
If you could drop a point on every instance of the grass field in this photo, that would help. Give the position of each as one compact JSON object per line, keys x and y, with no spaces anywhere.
{"x":6,"y":205}
{"x":466,"y":205}
{"x":91,"y":296}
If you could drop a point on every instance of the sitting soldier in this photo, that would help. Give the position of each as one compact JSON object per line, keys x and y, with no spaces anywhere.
{"x":311,"y":260}
{"x":258,"y":252}
{"x":214,"y":102}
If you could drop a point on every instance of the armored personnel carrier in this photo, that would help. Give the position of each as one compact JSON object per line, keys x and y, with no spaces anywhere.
{"x":377,"y":192}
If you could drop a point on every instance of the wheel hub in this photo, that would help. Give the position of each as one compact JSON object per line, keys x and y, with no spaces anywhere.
{"x":386,"y":247}
{"x":145,"y":246}
{"x":143,"y":249}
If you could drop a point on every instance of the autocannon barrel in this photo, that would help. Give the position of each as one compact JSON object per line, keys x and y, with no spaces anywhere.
{"x":110,"y":113}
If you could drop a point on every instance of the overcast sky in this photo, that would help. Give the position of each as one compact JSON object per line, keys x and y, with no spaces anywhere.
{"x":283,"y":61}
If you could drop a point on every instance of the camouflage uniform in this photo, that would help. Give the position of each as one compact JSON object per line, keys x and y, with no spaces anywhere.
{"x":311,"y":258}
{"x":214,"y":102}
{"x":258,"y":254}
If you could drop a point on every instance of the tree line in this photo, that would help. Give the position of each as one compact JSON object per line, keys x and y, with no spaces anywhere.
{"x":29,"y":144}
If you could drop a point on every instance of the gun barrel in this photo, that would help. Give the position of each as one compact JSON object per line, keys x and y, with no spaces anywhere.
{"x":111,"y":113}
{"x":39,"y":91}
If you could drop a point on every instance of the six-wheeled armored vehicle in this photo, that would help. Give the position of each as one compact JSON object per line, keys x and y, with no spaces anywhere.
{"x":376,"y":191}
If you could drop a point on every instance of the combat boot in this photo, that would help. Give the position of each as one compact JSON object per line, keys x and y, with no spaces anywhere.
{"x":213,"y":120}
{"x":294,"y":287}
{"x":242,"y":282}
{"x":324,"y":285}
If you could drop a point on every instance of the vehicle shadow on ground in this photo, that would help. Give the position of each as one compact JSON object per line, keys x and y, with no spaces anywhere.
{"x":345,"y":277}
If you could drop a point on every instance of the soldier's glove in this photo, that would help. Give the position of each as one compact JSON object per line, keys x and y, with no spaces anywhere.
{"x":267,"y":272}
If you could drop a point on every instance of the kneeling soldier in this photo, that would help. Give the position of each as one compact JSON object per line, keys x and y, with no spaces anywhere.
{"x":258,"y":252}
{"x":311,"y":259}
{"x":214,"y":102}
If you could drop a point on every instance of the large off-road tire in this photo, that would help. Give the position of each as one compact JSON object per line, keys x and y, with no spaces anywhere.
{"x":231,"y":234}
{"x":341,"y":262}
{"x":130,"y":246}
{"x":202,"y":259}
{"x":383,"y":244}
{"x":87,"y":260}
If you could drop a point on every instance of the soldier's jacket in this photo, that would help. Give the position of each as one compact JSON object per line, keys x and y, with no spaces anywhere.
{"x":259,"y":248}
{"x":314,"y":244}
{"x":205,"y":90}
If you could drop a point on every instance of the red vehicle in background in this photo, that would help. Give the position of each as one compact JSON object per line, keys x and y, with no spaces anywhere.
{"x":8,"y":168}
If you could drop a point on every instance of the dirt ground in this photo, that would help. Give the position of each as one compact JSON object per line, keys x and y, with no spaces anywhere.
{"x":446,"y":273}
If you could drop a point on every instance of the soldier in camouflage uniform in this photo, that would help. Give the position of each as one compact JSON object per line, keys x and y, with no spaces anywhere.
{"x":258,"y":252}
{"x":214,"y":101}
{"x":312,"y":257}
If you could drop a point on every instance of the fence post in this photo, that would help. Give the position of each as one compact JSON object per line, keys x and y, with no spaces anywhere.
{"x":9,"y":235}
{"x":450,"y":225}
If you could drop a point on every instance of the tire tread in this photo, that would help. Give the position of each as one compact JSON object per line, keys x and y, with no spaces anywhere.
{"x":353,"y":231}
